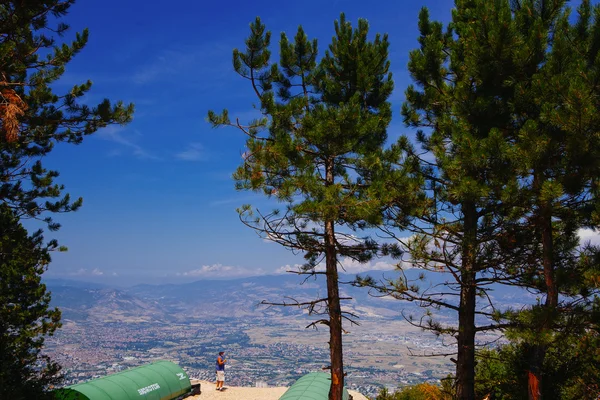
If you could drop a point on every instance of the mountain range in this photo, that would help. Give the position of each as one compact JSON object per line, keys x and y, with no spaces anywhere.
{"x":236,"y":298}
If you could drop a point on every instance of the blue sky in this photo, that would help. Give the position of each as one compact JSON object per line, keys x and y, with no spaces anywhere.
{"x":159,"y":201}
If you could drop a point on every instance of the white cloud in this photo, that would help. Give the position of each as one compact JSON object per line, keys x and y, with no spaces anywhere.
{"x":285,"y":268}
{"x":194,"y":152}
{"x":84,"y":272}
{"x":351,"y":266}
{"x":589,"y":236}
{"x":221,"y":271}
{"x":346,"y":265}
{"x":115,"y":134}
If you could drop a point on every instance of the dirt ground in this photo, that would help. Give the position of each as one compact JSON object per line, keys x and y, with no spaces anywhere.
{"x":248,"y":393}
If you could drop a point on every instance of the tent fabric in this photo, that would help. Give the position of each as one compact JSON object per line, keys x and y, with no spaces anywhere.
{"x":313,"y":386}
{"x":161,"y":380}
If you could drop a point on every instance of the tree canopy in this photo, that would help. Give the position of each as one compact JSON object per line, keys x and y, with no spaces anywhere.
{"x":25,"y":314}
{"x":510,"y":176}
{"x":33,"y":119}
{"x":316,"y":150}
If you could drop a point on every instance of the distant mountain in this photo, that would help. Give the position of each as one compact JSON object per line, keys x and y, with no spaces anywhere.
{"x":56,"y":282}
{"x":104,"y":305}
{"x":239,"y":298}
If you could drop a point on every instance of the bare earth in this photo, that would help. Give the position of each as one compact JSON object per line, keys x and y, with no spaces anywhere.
{"x":248,"y":393}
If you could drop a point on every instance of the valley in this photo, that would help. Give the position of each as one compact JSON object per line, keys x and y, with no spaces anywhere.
{"x":106,"y":330}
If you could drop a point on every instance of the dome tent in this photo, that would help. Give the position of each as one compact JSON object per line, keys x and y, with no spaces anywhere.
{"x":313,"y":386}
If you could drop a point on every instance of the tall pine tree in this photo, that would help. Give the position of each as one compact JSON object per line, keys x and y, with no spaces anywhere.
{"x":463,"y":104}
{"x":323,"y":127}
{"x":33,"y":119}
{"x":462,"y":107}
{"x":507,"y":100}
{"x":559,"y":160}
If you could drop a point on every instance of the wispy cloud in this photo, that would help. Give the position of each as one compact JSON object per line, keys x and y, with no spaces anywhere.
{"x":221,"y":271}
{"x":238,"y":201}
{"x":184,"y":61}
{"x":194,"y":152}
{"x":85,"y":272}
{"x":346,"y":265}
{"x":116,"y":134}
{"x":223,"y":202}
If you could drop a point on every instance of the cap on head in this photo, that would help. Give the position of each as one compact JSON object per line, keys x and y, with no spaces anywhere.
{"x":221,"y":353}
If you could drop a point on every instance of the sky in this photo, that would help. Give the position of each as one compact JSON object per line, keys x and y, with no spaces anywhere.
{"x":159,"y":201}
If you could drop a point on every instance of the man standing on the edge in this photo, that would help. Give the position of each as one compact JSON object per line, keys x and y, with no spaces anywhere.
{"x":221,"y":370}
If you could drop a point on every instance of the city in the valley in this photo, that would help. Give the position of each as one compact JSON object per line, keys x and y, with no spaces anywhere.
{"x":271,"y":352}
{"x":107,"y":330}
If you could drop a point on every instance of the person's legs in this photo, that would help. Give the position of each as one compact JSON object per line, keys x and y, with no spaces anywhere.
{"x":220,"y":379}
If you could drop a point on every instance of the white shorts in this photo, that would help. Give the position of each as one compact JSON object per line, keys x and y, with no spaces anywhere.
{"x":220,"y":376}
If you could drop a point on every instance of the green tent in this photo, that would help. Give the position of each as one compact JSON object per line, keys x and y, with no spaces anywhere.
{"x":161,"y":380}
{"x":313,"y":386}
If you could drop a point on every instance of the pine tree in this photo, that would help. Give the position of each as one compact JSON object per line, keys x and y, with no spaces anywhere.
{"x":323,"y":127}
{"x":33,"y":119}
{"x":25,"y":315}
{"x":558,"y":149}
{"x":571,"y":368}
{"x":507,"y":105}
{"x":466,"y":106}
{"x":462,"y":106}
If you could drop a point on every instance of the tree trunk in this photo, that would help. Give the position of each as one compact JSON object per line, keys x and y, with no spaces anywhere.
{"x":537,"y":352}
{"x":335,"y":315}
{"x":333,"y":304}
{"x":465,"y":363}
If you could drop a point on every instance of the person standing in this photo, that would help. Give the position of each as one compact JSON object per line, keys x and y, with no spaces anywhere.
{"x":221,"y":370}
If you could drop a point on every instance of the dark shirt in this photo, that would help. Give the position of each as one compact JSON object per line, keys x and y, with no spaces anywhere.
{"x":220,"y":366}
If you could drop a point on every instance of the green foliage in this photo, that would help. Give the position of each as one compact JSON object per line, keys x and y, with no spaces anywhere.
{"x":505,"y":99}
{"x":556,"y":155}
{"x":333,"y":112}
{"x":318,"y":148}
{"x":502,"y":373}
{"x":31,"y":60}
{"x":422,"y":391}
{"x":33,"y":119}
{"x":323,"y":127}
{"x":25,"y":316}
{"x":463,"y":104}
{"x":570,"y":369}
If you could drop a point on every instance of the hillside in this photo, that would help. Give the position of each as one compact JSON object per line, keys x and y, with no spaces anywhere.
{"x":237,"y":298}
